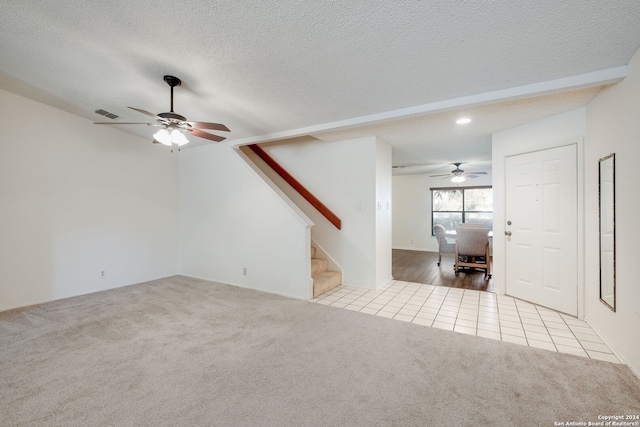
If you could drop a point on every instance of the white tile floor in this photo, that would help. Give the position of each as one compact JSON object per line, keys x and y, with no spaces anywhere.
{"x":484,"y":314}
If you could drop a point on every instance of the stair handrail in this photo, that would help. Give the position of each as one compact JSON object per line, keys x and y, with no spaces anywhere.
{"x":325,"y":211}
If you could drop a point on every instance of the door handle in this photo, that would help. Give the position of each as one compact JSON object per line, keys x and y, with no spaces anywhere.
{"x":507,"y":233}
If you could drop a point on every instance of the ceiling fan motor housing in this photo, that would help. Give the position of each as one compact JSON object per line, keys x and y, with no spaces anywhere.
{"x":173,"y":116}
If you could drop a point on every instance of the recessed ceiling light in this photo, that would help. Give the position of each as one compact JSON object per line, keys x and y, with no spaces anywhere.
{"x":463,"y":120}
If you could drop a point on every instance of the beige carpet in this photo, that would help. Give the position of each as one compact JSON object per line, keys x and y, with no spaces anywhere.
{"x":185,"y":352}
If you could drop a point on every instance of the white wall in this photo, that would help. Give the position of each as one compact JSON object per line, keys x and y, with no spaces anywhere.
{"x":230,"y":219}
{"x":412,"y":209}
{"x":75,"y":199}
{"x":349,"y":178}
{"x":554,"y":131}
{"x":613,"y":126}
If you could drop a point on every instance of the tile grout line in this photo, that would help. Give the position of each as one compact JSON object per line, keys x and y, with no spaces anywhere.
{"x":499,"y":323}
{"x":522,"y":324}
{"x":574,"y":335}
{"x":580,"y":341}
{"x":441,"y":305}
{"x":458,"y":315}
{"x":422,"y":305}
{"x":553,"y":343}
{"x":547,"y":329}
{"x":477,"y":308}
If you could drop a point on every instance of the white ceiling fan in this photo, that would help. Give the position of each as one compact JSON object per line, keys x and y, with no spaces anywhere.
{"x":458,"y":175}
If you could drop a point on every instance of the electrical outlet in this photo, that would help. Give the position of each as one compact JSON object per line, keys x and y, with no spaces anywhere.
{"x":103,"y":274}
{"x":244,"y":271}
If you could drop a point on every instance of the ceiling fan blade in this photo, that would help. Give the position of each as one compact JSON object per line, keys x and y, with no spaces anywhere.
{"x":145,"y":112}
{"x":120,"y":123}
{"x":155,"y":141}
{"x":442,"y":174}
{"x":470,"y":175}
{"x":205,"y":135}
{"x":478,"y":173}
{"x":205,"y":125}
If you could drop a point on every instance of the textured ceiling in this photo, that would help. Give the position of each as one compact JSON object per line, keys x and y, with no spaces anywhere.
{"x":267,"y":68}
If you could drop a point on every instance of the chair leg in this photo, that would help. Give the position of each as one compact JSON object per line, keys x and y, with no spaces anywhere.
{"x":439,"y":258}
{"x":488,"y":260}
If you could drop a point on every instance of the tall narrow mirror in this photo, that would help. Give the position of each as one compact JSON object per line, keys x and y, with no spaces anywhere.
{"x":607,"y":198}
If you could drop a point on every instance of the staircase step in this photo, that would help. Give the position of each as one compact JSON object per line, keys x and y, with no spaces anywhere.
{"x":326,"y":281}
{"x":319,"y":265}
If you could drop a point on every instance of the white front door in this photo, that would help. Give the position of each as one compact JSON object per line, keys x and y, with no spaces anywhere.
{"x":541,"y":214}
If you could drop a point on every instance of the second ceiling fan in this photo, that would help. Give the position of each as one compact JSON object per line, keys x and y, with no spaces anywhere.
{"x":459,"y":175}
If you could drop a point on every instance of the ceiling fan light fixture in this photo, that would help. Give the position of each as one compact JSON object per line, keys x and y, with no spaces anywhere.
{"x":458,"y":178}
{"x":178,"y":138}
{"x":163,"y":137}
{"x":166,"y":137}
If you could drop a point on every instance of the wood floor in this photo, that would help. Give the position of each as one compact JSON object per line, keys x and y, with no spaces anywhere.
{"x":421,"y":267}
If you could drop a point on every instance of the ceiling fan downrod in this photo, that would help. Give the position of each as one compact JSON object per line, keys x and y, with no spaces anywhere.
{"x":173,"y":82}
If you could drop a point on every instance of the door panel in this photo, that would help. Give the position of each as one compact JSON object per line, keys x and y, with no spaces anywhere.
{"x":541,"y":206}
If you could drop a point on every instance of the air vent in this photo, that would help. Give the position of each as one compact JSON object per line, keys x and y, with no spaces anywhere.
{"x":107,"y":114}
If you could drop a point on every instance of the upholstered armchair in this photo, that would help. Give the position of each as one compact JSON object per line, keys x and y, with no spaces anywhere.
{"x":443,"y":245}
{"x":469,"y":225}
{"x":472,"y":249}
